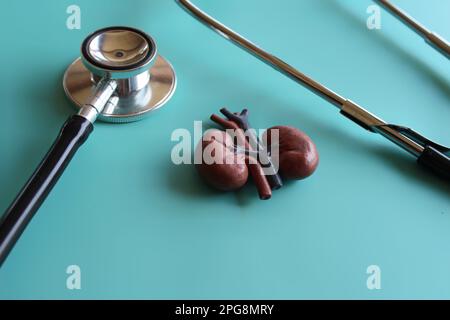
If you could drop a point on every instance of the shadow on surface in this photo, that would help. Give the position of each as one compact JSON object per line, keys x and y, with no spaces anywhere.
{"x":415,"y":173}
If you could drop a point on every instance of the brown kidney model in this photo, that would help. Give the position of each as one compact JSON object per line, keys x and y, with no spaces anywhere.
{"x":298,"y":156}
{"x":231,"y":173}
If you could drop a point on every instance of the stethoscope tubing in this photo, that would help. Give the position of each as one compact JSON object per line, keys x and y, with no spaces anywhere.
{"x":71,"y":137}
{"x":78,"y":127}
{"x":432,"y":38}
{"x":428,"y":153}
{"x":96,"y":85}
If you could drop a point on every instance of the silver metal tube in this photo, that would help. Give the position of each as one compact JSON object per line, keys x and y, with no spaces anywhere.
{"x":377,"y":125}
{"x":127,"y":86}
{"x":347,"y":107}
{"x":99,"y":100}
{"x":261,"y":54}
{"x":433,"y":39}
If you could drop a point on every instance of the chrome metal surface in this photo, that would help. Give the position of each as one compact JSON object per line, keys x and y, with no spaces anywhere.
{"x":435,"y":40}
{"x":101,"y":96}
{"x":118,"y":52}
{"x":79,"y":85}
{"x":118,"y":48}
{"x":357,"y":112}
{"x":88,"y":112}
{"x":129,"y":85}
{"x":378,"y":125}
{"x":103,"y":91}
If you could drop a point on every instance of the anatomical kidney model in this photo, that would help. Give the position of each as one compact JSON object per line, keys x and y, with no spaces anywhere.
{"x":235,"y":158}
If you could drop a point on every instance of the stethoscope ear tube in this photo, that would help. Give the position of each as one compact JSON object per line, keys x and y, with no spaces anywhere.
{"x":72,"y":135}
{"x":433,"y":39}
{"x":430,"y":154}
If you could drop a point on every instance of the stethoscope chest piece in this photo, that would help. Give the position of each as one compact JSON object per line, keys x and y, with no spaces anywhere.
{"x":119,"y":78}
{"x":145,"y":80}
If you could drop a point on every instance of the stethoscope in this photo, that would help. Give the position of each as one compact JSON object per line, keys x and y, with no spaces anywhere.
{"x":428,"y":153}
{"x":119,"y":78}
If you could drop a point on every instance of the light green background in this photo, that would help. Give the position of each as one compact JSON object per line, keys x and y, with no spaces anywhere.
{"x":140,"y":227}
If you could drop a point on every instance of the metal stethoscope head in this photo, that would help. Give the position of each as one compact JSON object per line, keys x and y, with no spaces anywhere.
{"x":121,"y":66}
{"x":119,"y":78}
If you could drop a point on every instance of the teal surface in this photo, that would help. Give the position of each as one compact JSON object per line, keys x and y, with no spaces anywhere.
{"x":140,"y":227}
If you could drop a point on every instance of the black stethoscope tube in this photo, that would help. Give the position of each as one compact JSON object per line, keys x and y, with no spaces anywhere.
{"x":72,"y":135}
